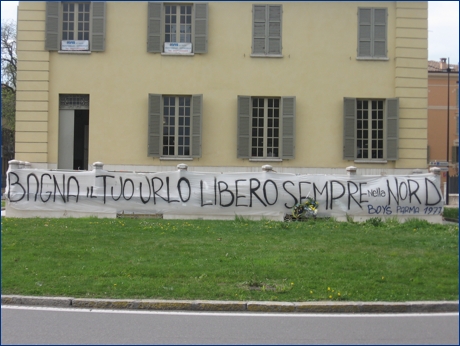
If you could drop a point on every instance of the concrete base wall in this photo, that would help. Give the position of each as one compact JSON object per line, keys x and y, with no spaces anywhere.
{"x":12,"y":212}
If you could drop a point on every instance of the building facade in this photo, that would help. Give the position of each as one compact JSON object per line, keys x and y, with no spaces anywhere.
{"x":443,"y":102}
{"x":306,"y":87}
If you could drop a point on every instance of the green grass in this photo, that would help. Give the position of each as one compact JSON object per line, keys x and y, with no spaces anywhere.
{"x":450,"y":213}
{"x":230,"y":260}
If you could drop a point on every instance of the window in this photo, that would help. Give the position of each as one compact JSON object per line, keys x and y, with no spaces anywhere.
{"x":455,"y":154}
{"x":372,"y":33}
{"x":266,"y":127}
{"x":266,"y":30}
{"x":175,"y":126}
{"x":75,"y":26}
{"x":371,"y":129}
{"x":178,"y":23}
{"x":457,"y":123}
{"x":75,"y":21}
{"x":177,"y":28}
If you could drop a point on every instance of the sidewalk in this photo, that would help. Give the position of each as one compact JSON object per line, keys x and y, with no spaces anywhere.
{"x":234,"y":306}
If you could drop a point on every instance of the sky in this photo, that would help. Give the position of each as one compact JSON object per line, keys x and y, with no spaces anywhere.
{"x":443,"y":28}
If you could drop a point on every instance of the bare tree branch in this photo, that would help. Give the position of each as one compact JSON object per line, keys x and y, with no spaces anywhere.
{"x":9,"y":58}
{"x":9,"y":73}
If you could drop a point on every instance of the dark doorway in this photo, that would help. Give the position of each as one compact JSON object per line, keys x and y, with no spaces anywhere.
{"x":80,"y":147}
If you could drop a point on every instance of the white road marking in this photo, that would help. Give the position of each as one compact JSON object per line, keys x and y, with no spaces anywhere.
{"x":211,"y":313}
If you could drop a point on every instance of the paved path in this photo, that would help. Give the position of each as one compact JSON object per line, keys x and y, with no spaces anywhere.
{"x":22,"y":325}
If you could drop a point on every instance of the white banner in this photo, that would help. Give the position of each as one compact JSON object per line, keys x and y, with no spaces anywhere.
{"x":188,"y":193}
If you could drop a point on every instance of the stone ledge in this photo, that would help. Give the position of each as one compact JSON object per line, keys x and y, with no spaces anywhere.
{"x":37,"y":301}
{"x":222,"y":305}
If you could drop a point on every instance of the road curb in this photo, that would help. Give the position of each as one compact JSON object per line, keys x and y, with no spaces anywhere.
{"x":248,"y":306}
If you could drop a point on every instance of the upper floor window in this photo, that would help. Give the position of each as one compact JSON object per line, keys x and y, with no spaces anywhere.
{"x":266,"y":30}
{"x":372,"y":33}
{"x":371,"y":129}
{"x":177,"y":28}
{"x":75,"y":26}
{"x":75,"y":21}
{"x":175,"y":126}
{"x":178,"y":23}
{"x":266,"y":127}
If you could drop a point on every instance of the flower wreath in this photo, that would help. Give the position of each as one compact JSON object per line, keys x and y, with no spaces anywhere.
{"x":306,"y":209}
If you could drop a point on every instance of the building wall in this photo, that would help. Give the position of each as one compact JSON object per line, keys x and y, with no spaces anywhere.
{"x":411,"y":55}
{"x":318,"y":67}
{"x":437,"y":116}
{"x":33,"y":80}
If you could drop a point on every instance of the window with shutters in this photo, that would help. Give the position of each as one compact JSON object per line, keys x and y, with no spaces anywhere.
{"x":370,"y":129}
{"x":178,"y":29}
{"x":266,"y":128}
{"x":175,"y":126}
{"x":75,"y":26}
{"x":266,"y":30}
{"x":372,"y":33}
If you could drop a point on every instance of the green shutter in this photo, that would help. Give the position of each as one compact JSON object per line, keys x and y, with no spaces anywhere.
{"x":392,"y":110}
{"x":201,"y":28}
{"x":274,"y":29}
{"x":380,"y":33}
{"x":349,"y":131}
{"x":98,"y":26}
{"x":244,"y":126}
{"x":258,"y":28}
{"x":288,"y":114}
{"x":52,"y":25}
{"x":154,"y":27}
{"x":155,"y":125}
{"x":197,"y":115}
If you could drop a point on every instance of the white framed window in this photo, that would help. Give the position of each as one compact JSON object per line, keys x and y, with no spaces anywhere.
{"x":75,"y":26}
{"x":178,"y":23}
{"x":75,"y":21}
{"x":174,"y":126}
{"x":177,"y":28}
{"x":371,"y":129}
{"x":266,"y":127}
{"x":372,"y":33}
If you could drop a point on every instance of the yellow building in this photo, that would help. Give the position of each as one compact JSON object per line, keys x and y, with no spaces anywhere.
{"x":306,"y":87}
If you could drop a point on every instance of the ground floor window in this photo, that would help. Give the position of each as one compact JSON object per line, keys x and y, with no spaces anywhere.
{"x":266,"y":127}
{"x":371,"y":129}
{"x":174,"y":126}
{"x":369,"y":133}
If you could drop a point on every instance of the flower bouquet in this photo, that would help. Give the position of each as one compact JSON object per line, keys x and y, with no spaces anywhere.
{"x":308,"y":208}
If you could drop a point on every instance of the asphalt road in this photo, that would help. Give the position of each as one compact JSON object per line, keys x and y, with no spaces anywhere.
{"x":39,"y":325}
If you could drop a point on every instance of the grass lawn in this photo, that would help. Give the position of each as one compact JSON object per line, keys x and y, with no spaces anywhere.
{"x":314,"y":260}
{"x":450,"y":213}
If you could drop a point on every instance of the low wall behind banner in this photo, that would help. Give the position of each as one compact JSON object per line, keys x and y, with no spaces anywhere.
{"x":190,"y":195}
